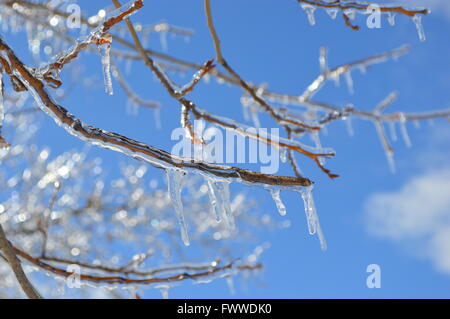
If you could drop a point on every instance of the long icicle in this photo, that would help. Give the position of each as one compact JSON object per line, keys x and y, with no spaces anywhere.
{"x":312,"y":217}
{"x":174,"y":183}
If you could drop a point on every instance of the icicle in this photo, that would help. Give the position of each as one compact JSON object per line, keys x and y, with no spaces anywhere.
{"x":312,"y":217}
{"x":283,"y":155}
{"x":246,"y":112}
{"x":349,"y":80}
{"x":277,"y":199}
{"x":105,"y":49}
{"x":164,"y":291}
{"x":404,"y":131}
{"x":387,"y":148}
{"x":336,"y":78}
{"x":255,"y":117}
{"x":391,"y":18}
{"x":230,"y":285}
{"x":349,"y":125}
{"x":309,"y":9}
{"x":309,"y":210}
{"x":157,"y":115}
{"x":221,"y":191}
{"x":174,"y":182}
{"x":391,"y":161}
{"x":332,"y":12}
{"x":417,"y":19}
{"x":323,"y":60}
{"x":213,"y":199}
{"x":393,"y":131}
{"x":163,"y":40}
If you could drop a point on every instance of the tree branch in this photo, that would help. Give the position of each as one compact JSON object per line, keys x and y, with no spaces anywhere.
{"x":14,"y":262}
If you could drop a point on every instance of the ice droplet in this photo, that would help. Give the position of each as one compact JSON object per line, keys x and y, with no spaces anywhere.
{"x":174,"y":183}
{"x":417,"y":19}
{"x":105,"y":49}
{"x":277,"y":199}
{"x":309,"y":9}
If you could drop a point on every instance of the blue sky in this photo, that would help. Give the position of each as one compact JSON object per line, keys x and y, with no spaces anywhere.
{"x":271,"y":41}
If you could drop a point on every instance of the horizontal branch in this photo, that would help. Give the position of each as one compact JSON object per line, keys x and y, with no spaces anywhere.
{"x":360,"y":6}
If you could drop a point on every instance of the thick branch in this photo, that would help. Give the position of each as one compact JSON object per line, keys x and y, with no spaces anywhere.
{"x":14,"y":262}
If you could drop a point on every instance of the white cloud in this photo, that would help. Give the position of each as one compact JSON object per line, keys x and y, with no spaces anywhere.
{"x":416,"y":216}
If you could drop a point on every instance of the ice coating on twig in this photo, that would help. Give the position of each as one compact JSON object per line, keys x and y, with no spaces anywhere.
{"x":174,"y":183}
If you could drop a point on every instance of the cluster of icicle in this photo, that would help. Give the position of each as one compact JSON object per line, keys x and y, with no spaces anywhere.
{"x":351,"y":14}
{"x":219,"y":194}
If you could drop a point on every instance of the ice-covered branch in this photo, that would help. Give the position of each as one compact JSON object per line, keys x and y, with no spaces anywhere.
{"x":117,"y":142}
{"x":349,"y":8}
